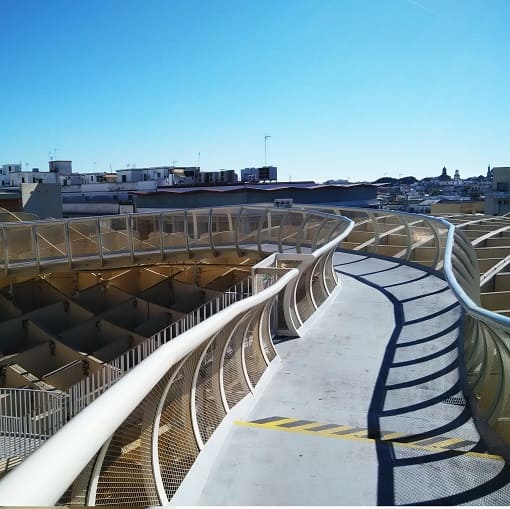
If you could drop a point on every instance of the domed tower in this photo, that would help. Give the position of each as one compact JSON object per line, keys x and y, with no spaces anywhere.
{"x":444,"y":176}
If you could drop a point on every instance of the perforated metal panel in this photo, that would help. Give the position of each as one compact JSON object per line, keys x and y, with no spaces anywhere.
{"x":208,"y":401}
{"x":126,"y":473}
{"x":303,"y":299}
{"x":234,"y":381}
{"x":266,"y":327}
{"x":177,"y":446}
{"x":253,"y":358}
{"x":320,"y":292}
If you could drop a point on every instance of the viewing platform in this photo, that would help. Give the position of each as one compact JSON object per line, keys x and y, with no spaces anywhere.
{"x":379,"y":359}
{"x":255,"y":356}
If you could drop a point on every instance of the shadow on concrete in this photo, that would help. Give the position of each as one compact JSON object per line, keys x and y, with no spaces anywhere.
{"x":404,"y":475}
{"x":283,"y":339}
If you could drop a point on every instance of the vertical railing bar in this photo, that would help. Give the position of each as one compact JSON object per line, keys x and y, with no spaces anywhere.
{"x":186,"y":233}
{"x":35,"y":247}
{"x":99,"y":241}
{"x":6,"y":250}
{"x":161,"y":238}
{"x":210,"y":226}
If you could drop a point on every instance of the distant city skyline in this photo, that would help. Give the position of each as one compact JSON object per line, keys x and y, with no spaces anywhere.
{"x":346,"y":89}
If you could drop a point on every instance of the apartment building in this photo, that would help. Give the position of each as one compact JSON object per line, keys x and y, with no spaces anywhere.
{"x":497,"y":200}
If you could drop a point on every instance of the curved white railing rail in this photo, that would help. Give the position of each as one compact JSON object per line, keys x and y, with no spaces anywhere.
{"x":486,"y":346}
{"x":439,"y":244}
{"x":35,"y":247}
{"x":75,"y":444}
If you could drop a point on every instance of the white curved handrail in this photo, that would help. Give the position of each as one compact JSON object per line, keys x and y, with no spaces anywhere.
{"x":489,"y":317}
{"x":77,"y":442}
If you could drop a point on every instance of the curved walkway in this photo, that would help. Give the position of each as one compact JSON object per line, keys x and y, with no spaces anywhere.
{"x":365,"y":408}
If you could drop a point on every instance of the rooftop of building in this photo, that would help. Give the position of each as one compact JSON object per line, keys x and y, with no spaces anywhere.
{"x":273,"y":186}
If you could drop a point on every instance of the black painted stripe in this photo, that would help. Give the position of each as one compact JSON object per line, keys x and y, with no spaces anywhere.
{"x":324,"y":427}
{"x":294,"y":424}
{"x":432,"y":440}
{"x":464,"y":443}
{"x":348,"y":431}
{"x":268,"y":419}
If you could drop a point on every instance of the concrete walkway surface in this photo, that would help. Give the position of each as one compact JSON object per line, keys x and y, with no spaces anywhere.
{"x":364,"y":408}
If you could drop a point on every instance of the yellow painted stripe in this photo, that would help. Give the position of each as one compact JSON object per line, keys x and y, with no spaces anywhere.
{"x":354,"y":437}
{"x":391,"y":436}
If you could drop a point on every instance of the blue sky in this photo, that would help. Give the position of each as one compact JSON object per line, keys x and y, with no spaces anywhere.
{"x":346,"y":88}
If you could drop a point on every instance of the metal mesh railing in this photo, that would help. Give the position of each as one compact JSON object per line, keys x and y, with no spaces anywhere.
{"x":27,"y":419}
{"x":29,"y":248}
{"x":252,"y":354}
{"x":234,"y":381}
{"x":177,"y":446}
{"x":87,"y":390}
{"x":208,"y":401}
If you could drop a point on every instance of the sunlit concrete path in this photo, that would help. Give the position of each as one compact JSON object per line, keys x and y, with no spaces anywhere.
{"x":365,"y":408}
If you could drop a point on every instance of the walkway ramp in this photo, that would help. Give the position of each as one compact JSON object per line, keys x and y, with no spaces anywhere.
{"x":365,"y":408}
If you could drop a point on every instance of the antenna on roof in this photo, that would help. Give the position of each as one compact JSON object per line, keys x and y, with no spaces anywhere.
{"x":266,"y":137}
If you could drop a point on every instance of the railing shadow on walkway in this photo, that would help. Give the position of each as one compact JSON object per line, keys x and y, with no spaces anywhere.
{"x":431,"y":357}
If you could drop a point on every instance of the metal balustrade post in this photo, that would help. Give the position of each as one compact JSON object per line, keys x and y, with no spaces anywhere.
{"x":210,"y":228}
{"x":186,"y":232}
{"x":195,"y":226}
{"x":131,"y":240}
{"x":282,"y":223}
{"x":409,"y":245}
{"x":6,"y":250}
{"x":377,"y":230}
{"x":99,"y":241}
{"x":161,"y":237}
{"x":259,"y":231}
{"x":237,"y":232}
{"x":67,"y":242}
{"x":437,"y":243}
{"x":35,"y":247}
{"x":301,"y":236}
{"x":316,"y":238}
